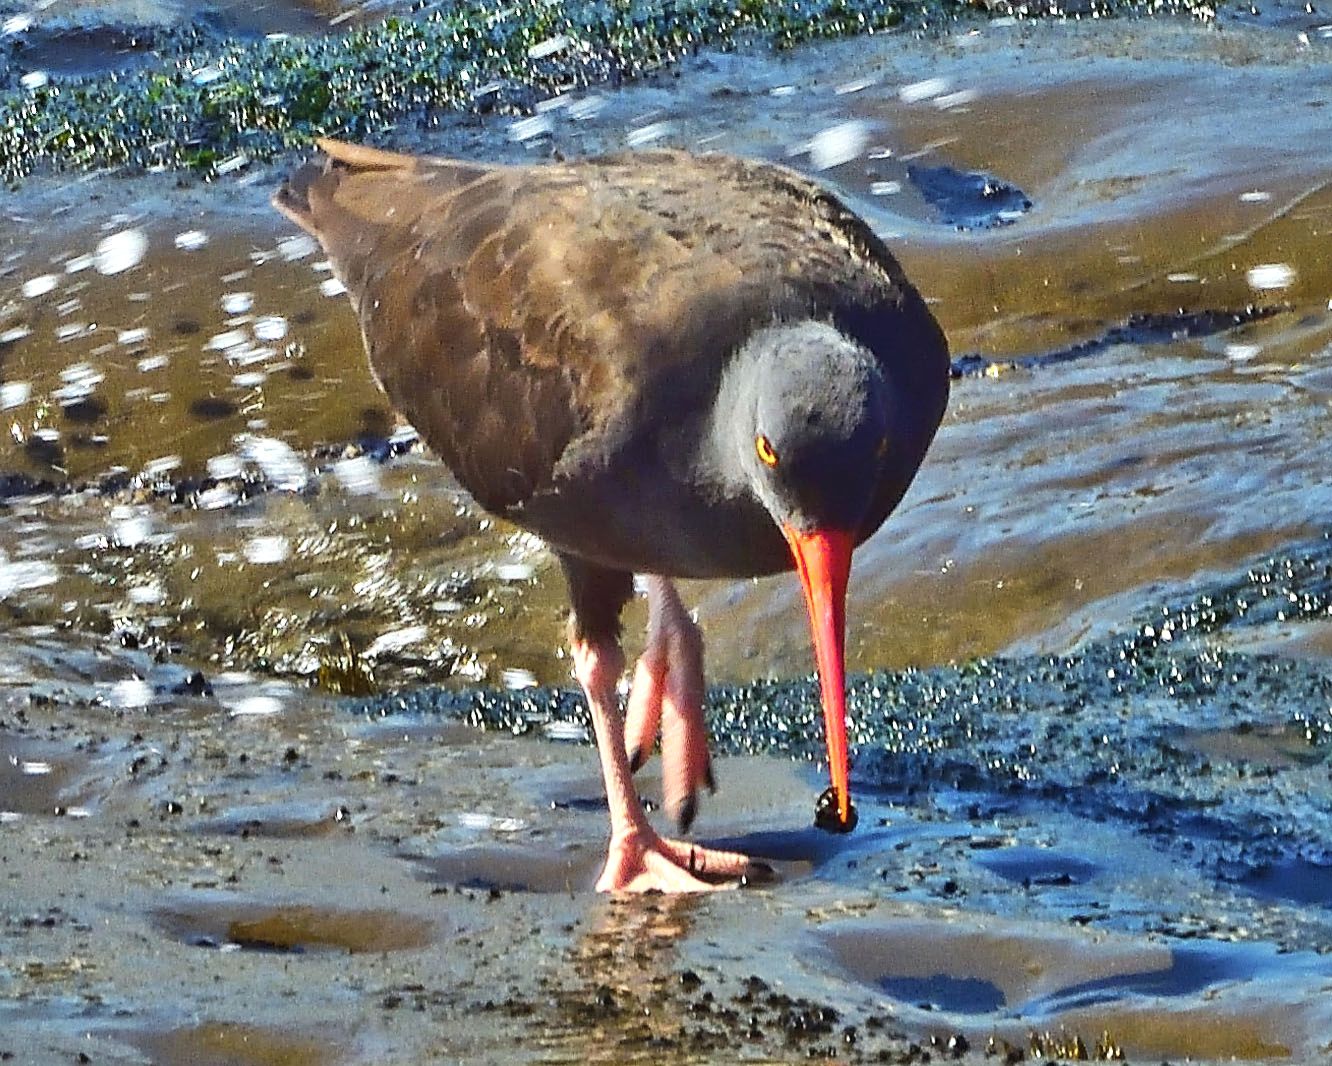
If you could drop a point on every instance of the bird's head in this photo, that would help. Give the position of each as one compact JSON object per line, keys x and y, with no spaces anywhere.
{"x":815,"y":433}
{"x":812,"y":431}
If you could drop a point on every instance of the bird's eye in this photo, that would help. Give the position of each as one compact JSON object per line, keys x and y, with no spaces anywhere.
{"x":765,"y":450}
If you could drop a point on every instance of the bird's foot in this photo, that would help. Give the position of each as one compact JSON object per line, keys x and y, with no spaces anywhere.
{"x":667,"y":696}
{"x":639,"y":860}
{"x":642,"y":861}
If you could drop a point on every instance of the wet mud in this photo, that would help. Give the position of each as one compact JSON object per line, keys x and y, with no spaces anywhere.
{"x":290,"y":767}
{"x":215,"y":1044}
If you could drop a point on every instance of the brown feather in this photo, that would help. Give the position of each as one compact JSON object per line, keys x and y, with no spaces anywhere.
{"x":521,"y":317}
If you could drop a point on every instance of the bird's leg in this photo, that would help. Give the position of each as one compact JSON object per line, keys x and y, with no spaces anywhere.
{"x":639,"y":860}
{"x":667,"y":694}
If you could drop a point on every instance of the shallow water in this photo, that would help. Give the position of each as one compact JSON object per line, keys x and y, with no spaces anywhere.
{"x":211,"y":529}
{"x":1157,"y":185}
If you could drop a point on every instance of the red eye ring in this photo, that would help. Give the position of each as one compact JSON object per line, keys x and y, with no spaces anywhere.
{"x":766,"y":453}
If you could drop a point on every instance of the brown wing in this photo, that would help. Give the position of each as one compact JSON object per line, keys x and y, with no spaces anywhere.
{"x":414,"y":241}
{"x":518,"y":316}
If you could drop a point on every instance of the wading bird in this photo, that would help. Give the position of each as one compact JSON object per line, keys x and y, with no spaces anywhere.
{"x":662,"y":363}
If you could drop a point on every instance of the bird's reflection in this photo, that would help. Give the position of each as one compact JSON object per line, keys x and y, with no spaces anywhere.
{"x":629,"y":1000}
{"x":642,"y":934}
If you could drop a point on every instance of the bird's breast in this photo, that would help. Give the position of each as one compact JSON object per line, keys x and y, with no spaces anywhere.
{"x":642,"y":517}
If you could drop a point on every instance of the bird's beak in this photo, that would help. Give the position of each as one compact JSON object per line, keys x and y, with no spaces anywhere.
{"x":823,"y":561}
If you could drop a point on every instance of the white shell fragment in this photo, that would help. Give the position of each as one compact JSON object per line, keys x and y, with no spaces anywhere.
{"x":267,"y":549}
{"x":1271,"y":276}
{"x":838,"y":144}
{"x":121,"y":251}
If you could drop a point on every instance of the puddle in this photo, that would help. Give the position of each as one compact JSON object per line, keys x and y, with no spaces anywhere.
{"x":1192,"y":970}
{"x":75,"y":52}
{"x":989,"y":970}
{"x":956,"y":995}
{"x":1148,"y":997}
{"x":236,"y":1044}
{"x":1040,"y":867}
{"x":288,"y":821}
{"x":86,"y":37}
{"x":1261,"y":747}
{"x":971,"y":200}
{"x":1298,"y":881}
{"x":314,"y":18}
{"x":295,"y":929}
{"x":572,"y":869}
{"x":756,"y":802}
{"x":40,"y":779}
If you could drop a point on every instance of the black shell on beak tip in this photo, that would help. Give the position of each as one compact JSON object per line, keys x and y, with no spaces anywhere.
{"x":826,"y":816}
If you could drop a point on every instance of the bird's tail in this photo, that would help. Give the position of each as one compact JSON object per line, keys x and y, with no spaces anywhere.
{"x":297,"y":195}
{"x":293,"y":195}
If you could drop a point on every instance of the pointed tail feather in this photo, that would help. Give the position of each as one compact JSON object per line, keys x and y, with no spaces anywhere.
{"x":305,"y":195}
{"x":293,"y":196}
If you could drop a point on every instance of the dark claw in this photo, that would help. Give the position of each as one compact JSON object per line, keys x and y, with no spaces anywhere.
{"x":688,"y":811}
{"x":636,"y":760}
{"x":759,"y":873}
{"x":709,"y":780}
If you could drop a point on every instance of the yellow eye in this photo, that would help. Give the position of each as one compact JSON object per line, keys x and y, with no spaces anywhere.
{"x":765,"y":452}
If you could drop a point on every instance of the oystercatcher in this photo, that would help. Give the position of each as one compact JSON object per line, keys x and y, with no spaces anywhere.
{"x":663,"y":363}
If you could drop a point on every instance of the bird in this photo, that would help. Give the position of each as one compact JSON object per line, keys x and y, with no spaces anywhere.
{"x":664,"y":363}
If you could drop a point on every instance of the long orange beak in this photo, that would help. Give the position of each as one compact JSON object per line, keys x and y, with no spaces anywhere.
{"x":823,"y":561}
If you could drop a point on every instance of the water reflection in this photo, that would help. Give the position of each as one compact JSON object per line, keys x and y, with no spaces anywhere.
{"x":625,"y":1005}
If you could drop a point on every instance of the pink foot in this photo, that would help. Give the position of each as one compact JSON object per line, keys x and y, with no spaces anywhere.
{"x":642,"y":861}
{"x":667,"y":695}
{"x":639,"y":860}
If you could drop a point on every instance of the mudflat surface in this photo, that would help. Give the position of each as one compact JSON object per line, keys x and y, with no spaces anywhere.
{"x":289,"y":767}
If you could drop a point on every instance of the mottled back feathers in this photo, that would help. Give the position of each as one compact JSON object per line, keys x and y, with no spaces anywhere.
{"x":521,"y":317}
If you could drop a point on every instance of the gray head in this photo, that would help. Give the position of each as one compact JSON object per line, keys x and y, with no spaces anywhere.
{"x":807,"y":414}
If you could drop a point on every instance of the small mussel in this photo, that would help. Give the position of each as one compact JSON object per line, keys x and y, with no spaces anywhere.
{"x":826,"y":816}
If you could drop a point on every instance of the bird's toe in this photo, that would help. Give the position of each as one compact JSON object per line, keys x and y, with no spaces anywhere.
{"x":644,"y":862}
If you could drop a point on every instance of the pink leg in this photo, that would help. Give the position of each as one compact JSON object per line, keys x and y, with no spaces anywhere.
{"x":667,"y":693}
{"x":639,"y":860}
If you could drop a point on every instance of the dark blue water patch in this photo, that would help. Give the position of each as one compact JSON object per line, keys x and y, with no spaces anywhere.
{"x":957,"y":995}
{"x":582,"y":804}
{"x":1193,"y":969}
{"x":1295,"y":881}
{"x":75,"y":52}
{"x":809,"y":845}
{"x":259,"y":947}
{"x":969,"y":199}
{"x":1137,"y":329}
{"x":12,"y":485}
{"x":1040,"y":866}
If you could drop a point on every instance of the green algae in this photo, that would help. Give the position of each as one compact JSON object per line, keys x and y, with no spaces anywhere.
{"x":214,"y":104}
